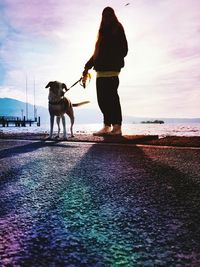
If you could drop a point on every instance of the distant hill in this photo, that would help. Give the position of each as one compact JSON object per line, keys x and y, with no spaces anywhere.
{"x":13,"y":107}
{"x":165,"y":120}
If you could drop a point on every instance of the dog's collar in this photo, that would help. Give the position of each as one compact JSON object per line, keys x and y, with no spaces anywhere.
{"x":54,"y":103}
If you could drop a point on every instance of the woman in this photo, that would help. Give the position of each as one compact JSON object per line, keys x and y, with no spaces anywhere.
{"x":108,"y":59}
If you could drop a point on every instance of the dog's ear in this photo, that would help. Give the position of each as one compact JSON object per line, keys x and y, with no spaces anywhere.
{"x":64,"y":86}
{"x":48,"y":85}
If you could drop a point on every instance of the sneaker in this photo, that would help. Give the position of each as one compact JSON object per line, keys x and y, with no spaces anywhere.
{"x":116,"y":130}
{"x":104,"y":131}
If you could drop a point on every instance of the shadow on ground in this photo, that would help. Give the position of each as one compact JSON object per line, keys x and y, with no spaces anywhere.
{"x":98,"y":205}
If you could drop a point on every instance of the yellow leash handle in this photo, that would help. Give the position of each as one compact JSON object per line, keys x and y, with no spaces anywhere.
{"x":84,"y":79}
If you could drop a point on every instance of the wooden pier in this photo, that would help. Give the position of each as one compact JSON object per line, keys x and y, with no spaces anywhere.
{"x":5,"y":121}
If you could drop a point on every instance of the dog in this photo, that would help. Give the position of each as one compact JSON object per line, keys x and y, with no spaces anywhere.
{"x":59,"y":105}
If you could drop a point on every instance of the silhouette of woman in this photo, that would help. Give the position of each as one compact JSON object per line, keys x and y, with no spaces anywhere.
{"x":110,"y":49}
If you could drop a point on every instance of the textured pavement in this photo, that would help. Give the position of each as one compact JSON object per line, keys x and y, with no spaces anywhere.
{"x":72,"y":204}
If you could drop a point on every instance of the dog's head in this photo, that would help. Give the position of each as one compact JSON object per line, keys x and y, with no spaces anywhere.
{"x":57,"y":88}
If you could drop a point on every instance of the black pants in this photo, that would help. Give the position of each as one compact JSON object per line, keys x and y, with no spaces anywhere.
{"x":108,"y":99}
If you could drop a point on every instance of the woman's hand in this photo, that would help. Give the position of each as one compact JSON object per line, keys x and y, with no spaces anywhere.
{"x":85,"y":72}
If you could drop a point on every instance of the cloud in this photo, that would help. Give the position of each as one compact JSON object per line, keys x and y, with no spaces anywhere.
{"x":33,"y":16}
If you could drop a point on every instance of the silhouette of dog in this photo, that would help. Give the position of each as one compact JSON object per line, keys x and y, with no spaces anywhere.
{"x":59,"y":106}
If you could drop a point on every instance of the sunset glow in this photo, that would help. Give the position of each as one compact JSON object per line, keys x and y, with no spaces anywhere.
{"x":52,"y":40}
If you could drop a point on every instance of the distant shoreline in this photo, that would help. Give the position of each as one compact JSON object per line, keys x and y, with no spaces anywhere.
{"x":162,"y":130}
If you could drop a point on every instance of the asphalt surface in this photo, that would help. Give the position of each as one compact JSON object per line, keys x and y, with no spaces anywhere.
{"x":72,"y":204}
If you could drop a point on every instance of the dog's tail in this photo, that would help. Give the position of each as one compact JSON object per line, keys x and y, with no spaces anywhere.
{"x":80,"y":104}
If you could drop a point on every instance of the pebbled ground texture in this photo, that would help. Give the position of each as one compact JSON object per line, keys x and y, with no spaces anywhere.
{"x":72,"y":204}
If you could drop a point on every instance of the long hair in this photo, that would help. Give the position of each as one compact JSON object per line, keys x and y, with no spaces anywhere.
{"x":109,"y":25}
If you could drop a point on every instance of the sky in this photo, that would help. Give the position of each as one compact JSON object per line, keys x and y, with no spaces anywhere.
{"x":49,"y":40}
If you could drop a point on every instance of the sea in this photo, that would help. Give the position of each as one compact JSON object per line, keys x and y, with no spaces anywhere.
{"x":162,"y":130}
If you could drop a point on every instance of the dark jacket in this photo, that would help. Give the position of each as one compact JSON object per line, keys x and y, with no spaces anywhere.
{"x":112,"y":49}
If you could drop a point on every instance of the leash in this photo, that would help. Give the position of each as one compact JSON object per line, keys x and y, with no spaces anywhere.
{"x":83,"y":79}
{"x":74,"y":83}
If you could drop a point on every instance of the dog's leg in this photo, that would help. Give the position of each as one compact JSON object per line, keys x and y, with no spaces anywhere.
{"x":51,"y":126}
{"x":71,"y":127}
{"x":72,"y":122}
{"x":64,"y":127}
{"x":58,"y":123}
{"x":71,"y":116}
{"x":70,"y":113}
